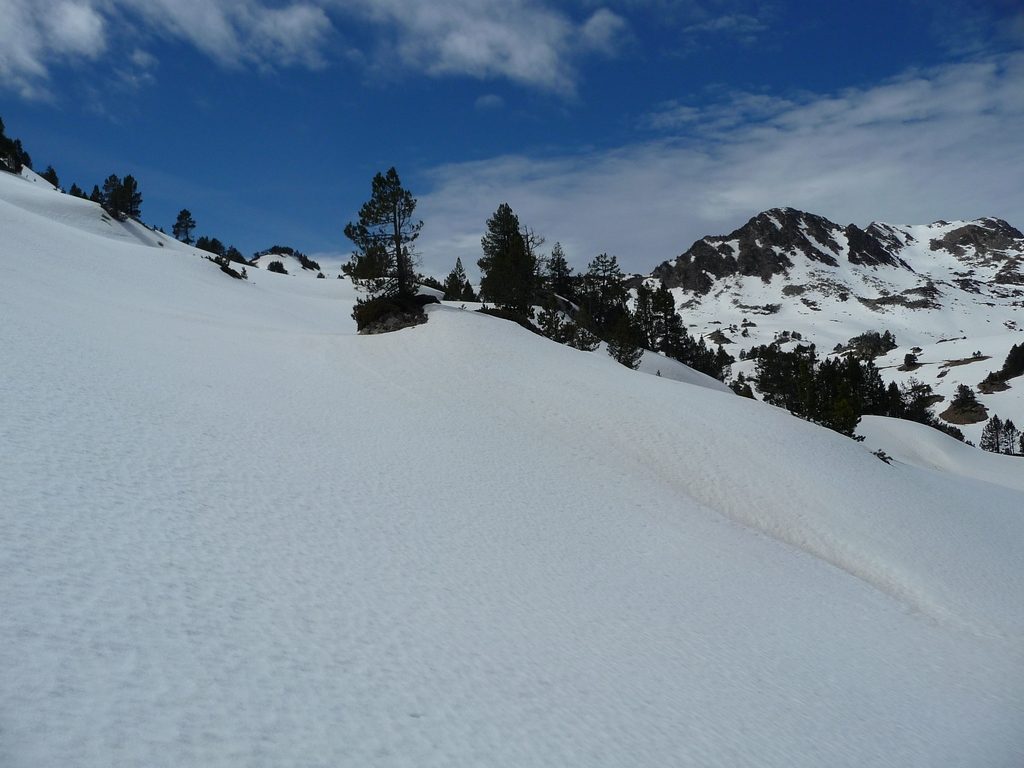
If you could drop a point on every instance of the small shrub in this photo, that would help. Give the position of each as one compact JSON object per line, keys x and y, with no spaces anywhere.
{"x":277,"y":266}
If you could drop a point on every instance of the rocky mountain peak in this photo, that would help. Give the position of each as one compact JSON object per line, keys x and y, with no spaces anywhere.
{"x":773,"y":241}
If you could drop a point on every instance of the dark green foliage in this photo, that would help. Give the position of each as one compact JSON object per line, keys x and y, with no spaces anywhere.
{"x":13,"y":156}
{"x":386,"y":313}
{"x":909,"y":360}
{"x":96,"y":196}
{"x":122,"y":199}
{"x":1013,"y":366}
{"x":508,"y":269}
{"x":834,"y":392}
{"x":455,"y":284}
{"x":183,"y":226}
{"x":384,"y":238}
{"x":579,"y":334}
{"x":964,"y":397}
{"x":742,"y":387}
{"x":213,"y":245}
{"x":76,"y":191}
{"x":624,"y":343}
{"x":235,"y":255}
{"x":558,"y":277}
{"x":871,"y":344}
{"x":277,"y":266}
{"x":1000,"y":436}
{"x":430,"y":282}
{"x":603,"y":293}
{"x":51,"y":176}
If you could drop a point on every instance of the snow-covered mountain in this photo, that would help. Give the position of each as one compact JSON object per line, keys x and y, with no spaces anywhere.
{"x":950,"y":289}
{"x":233,"y":532}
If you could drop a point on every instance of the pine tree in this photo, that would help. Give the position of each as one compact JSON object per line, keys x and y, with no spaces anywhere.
{"x":51,"y":176}
{"x":1010,"y":438}
{"x":468,"y":294}
{"x":111,"y":198}
{"x":603,"y":292}
{"x":385,"y":236}
{"x":131,"y":197}
{"x":508,"y":271}
{"x":76,"y":191}
{"x":183,"y":226}
{"x":624,"y":343}
{"x":456,"y":282}
{"x":558,"y":276}
{"x":992,"y":435}
{"x":643,"y":316}
{"x":579,"y":335}
{"x":96,"y":196}
{"x":211,"y":244}
{"x":550,"y":321}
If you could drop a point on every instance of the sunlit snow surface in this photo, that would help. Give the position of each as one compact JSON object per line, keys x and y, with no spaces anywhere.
{"x":233,"y":533}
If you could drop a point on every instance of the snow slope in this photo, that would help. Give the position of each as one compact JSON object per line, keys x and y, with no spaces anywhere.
{"x":235,"y":533}
{"x":928,"y":448}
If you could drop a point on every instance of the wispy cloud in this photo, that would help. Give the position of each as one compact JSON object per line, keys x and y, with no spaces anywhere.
{"x":939,"y":143}
{"x":529,"y":42}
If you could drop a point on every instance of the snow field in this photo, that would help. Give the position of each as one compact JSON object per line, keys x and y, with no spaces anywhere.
{"x":235,"y":533}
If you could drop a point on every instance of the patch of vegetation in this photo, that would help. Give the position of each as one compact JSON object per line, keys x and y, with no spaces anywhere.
{"x":869,"y":345}
{"x":964,"y":408}
{"x":977,"y":357}
{"x":277,"y":266}
{"x":390,"y":313}
{"x":1013,"y":367}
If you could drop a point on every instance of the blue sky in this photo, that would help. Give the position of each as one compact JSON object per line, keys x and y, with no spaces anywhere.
{"x":629,"y":126}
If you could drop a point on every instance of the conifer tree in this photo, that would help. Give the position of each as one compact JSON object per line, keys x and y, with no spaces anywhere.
{"x":51,"y":176}
{"x":455,"y":283}
{"x":964,"y":397}
{"x":76,"y":191}
{"x":508,"y":271}
{"x":385,"y":237}
{"x":624,"y":343}
{"x":558,"y":277}
{"x":1010,"y":438}
{"x":183,"y":226}
{"x":992,"y":435}
{"x":603,"y":292}
{"x":580,"y":335}
{"x":96,"y":196}
{"x":643,"y":316}
{"x":550,"y":321}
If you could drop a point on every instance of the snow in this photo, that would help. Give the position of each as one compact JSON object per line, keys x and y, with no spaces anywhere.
{"x":236,"y":533}
{"x":928,"y":448}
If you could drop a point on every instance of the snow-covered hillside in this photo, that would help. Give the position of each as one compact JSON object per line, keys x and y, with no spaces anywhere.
{"x":236,"y":533}
{"x":950,"y":288}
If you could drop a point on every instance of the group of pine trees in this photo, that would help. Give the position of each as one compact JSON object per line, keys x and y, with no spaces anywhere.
{"x":1013,"y":366}
{"x":13,"y":156}
{"x":836,"y":391}
{"x":1000,"y":436}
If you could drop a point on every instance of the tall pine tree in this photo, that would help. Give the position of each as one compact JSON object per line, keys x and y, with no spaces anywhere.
{"x":384,"y":236}
{"x":508,"y":270}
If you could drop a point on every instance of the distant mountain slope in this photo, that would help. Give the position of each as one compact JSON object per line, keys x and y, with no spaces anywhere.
{"x":237,"y":533}
{"x":950,"y":288}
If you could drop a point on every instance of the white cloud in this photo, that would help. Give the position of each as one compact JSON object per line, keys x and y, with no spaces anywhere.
{"x":530,"y":42}
{"x":525,"y":41}
{"x":36,"y":34}
{"x":943,"y":143}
